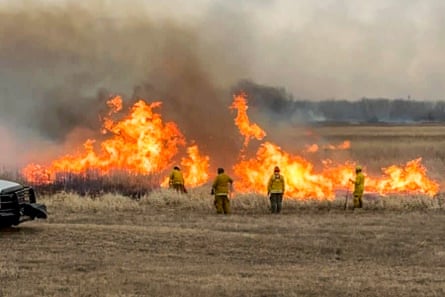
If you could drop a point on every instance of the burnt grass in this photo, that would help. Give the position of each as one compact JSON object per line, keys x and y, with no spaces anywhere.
{"x":174,"y":252}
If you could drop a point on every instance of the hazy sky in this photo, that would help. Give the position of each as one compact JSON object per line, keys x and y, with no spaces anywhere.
{"x":315,"y":49}
{"x":60,"y":60}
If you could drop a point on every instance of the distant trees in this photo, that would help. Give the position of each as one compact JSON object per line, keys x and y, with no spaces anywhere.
{"x":276,"y":102}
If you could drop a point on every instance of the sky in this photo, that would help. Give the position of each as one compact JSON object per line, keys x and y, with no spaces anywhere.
{"x":344,"y":49}
{"x":61,"y":60}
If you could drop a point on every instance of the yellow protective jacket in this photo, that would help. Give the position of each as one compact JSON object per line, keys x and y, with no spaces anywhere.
{"x":276,"y":184}
{"x":176,"y":178}
{"x":221,"y":185}
{"x":359,"y":184}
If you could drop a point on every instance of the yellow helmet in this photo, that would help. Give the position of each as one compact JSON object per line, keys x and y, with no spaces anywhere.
{"x":358,"y":168}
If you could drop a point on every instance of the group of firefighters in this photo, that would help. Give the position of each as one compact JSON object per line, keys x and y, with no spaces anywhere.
{"x":223,"y":185}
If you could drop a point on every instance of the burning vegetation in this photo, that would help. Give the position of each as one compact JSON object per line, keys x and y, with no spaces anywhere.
{"x":140,"y":148}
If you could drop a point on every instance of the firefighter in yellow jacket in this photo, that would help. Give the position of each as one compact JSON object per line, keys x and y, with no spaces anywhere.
{"x":275,"y":190}
{"x":221,"y":188}
{"x":359,"y":187}
{"x":176,"y":180}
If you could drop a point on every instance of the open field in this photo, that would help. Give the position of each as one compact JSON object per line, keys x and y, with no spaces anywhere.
{"x":377,"y":146}
{"x":167,"y":244}
{"x":172,"y":245}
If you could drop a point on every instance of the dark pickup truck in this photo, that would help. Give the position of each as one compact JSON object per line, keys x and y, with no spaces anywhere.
{"x":18,"y":204}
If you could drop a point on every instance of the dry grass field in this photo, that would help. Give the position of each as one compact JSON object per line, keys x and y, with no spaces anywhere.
{"x":167,"y":244}
{"x":377,"y":146}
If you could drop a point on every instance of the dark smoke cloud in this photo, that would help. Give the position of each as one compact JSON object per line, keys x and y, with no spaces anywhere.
{"x":60,"y":61}
{"x":59,"y":65}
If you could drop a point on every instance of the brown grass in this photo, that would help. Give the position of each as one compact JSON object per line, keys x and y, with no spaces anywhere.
{"x":167,"y":244}
{"x":376,"y":147}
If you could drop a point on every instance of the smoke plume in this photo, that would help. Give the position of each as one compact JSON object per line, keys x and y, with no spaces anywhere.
{"x":59,"y":65}
{"x":60,"y":61}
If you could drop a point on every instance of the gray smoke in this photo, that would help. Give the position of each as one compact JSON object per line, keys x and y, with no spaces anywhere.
{"x":59,"y":65}
{"x":60,"y":61}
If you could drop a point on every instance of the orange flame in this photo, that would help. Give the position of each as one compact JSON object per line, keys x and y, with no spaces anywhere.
{"x":301,"y":181}
{"x":140,"y":143}
{"x":194,"y":168}
{"x":345,"y":145}
{"x":410,"y":179}
{"x":247,"y":129}
{"x":313,"y":148}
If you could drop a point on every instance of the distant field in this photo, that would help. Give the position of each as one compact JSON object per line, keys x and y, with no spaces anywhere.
{"x":377,"y":146}
{"x":167,"y":244}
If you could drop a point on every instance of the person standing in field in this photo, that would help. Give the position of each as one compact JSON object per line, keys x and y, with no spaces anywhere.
{"x":275,"y":190}
{"x":221,"y":188}
{"x":359,"y":187}
{"x":176,"y":180}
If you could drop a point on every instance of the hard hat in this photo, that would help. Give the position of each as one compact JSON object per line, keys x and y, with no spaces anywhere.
{"x":358,"y":168}
{"x":277,"y":169}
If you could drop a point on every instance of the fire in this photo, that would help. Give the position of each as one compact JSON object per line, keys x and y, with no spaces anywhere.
{"x":411,"y":178}
{"x":141,"y":143}
{"x":37,"y":174}
{"x":115,"y":104}
{"x":313,"y":148}
{"x":247,"y":129}
{"x":345,"y":145}
{"x":301,"y":181}
{"x":194,"y":168}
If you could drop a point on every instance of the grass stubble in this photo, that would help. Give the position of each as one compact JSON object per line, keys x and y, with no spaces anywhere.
{"x":167,"y":244}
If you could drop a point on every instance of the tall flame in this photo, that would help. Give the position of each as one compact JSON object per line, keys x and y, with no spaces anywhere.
{"x":247,"y":129}
{"x":142,"y":143}
{"x":304,"y":183}
{"x":301,"y":181}
{"x":194,"y":167}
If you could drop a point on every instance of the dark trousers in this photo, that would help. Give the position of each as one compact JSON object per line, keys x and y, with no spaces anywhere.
{"x":276,"y":201}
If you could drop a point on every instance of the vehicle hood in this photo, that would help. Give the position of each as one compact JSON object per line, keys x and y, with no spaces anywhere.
{"x":9,"y":186}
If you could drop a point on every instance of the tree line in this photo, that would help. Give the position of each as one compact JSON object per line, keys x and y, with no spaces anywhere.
{"x":276,"y":102}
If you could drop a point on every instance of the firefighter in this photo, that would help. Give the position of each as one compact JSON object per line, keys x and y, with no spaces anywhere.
{"x":221,"y":188}
{"x":275,"y":190}
{"x":176,"y":180}
{"x":359,"y":187}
